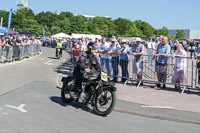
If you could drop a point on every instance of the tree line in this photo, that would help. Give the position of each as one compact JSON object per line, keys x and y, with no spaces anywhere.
{"x":26,"y":20}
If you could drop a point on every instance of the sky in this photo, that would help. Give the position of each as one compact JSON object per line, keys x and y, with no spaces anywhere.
{"x":174,"y":14}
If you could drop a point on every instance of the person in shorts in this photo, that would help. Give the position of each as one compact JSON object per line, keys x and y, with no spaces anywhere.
{"x":162,"y":60}
{"x":137,"y":51}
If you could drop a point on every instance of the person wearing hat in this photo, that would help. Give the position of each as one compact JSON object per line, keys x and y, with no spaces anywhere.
{"x":124,"y":60}
{"x":137,"y":51}
{"x":115,"y":58}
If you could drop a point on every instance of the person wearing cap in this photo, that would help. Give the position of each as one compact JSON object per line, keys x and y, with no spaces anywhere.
{"x":115,"y":58}
{"x":124,"y":60}
{"x":76,"y":48}
{"x":137,"y":51}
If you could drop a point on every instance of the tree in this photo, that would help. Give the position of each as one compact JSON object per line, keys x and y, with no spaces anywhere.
{"x":180,"y":34}
{"x":78,"y":24}
{"x":46,"y":18}
{"x":145,"y":29}
{"x":101,"y":26}
{"x":4,"y":14}
{"x":125,"y":27}
{"x":163,"y":31}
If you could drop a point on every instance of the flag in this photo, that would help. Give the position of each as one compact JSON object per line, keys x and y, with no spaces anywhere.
{"x":9,"y":19}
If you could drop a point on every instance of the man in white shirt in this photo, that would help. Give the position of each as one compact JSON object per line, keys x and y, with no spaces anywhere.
{"x":149,"y":51}
{"x":105,"y":58}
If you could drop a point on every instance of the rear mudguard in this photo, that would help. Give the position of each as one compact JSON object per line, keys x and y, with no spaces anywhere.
{"x":66,"y":78}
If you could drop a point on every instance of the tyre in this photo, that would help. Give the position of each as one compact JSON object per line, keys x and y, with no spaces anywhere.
{"x":104,"y":103}
{"x":67,"y":84}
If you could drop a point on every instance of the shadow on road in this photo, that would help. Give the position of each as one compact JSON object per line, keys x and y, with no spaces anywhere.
{"x":76,"y":105}
{"x":64,"y":68}
{"x":53,"y":58}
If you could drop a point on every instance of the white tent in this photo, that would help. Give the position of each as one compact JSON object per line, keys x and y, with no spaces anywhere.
{"x":86,"y":35}
{"x":61,"y":35}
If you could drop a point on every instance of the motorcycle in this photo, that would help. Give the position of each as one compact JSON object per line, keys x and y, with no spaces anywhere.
{"x":96,"y":90}
{"x":58,"y":55}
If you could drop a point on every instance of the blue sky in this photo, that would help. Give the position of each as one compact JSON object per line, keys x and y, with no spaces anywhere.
{"x":174,"y":14}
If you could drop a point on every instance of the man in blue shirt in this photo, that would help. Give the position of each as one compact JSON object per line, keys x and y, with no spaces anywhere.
{"x":162,"y":60}
{"x":198,"y":66}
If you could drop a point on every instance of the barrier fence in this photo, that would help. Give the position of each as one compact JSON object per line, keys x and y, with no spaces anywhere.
{"x":128,"y":70}
{"x":19,"y":52}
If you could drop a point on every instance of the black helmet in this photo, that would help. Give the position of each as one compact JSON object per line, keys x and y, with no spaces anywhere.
{"x":92,"y":45}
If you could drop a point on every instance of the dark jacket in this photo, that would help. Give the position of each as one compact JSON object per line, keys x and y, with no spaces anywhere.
{"x":87,"y":61}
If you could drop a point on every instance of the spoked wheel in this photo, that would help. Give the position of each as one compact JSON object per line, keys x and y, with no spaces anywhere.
{"x":67,"y":85}
{"x":104,"y":103}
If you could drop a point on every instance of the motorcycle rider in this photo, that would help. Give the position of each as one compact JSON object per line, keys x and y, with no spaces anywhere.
{"x":87,"y":62}
{"x":59,"y":46}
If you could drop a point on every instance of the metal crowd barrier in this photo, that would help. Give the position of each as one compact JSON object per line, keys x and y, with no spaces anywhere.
{"x":128,"y":70}
{"x":19,"y":52}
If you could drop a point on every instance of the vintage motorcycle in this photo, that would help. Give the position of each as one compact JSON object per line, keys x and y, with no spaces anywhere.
{"x":58,"y":55}
{"x":96,"y":89}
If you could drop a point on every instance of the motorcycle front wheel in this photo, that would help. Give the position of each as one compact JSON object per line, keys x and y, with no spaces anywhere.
{"x":67,"y":85}
{"x":104,"y":102}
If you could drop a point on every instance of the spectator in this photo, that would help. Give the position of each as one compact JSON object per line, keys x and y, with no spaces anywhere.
{"x":156,"y":45}
{"x":180,"y":65}
{"x":149,"y":51}
{"x":193,"y":48}
{"x":2,"y":43}
{"x":124,"y":60}
{"x":105,"y":58}
{"x":86,"y":41}
{"x":76,"y":52}
{"x":162,"y":59}
{"x":82,"y":46}
{"x":9,"y":48}
{"x":137,"y":51}
{"x":153,"y":45}
{"x":198,"y":66}
{"x":115,"y":58}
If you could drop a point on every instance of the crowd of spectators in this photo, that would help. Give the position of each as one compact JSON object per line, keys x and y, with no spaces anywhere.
{"x":15,"y":48}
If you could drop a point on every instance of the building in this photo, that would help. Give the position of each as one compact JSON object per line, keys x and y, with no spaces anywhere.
{"x":20,"y":4}
{"x":90,"y":17}
{"x":189,"y":34}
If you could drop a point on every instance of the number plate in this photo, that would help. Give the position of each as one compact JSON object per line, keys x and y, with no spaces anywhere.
{"x":104,"y":76}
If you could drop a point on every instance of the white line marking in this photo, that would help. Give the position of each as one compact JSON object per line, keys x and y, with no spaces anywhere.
{"x":50,"y":64}
{"x":47,"y":62}
{"x":20,"y":107}
{"x":160,"y":107}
